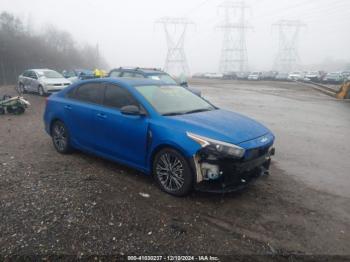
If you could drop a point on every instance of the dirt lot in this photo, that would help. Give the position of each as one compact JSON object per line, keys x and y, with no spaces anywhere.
{"x":82,"y":205}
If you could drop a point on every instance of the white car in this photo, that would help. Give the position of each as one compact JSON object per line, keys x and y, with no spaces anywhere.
{"x":296,"y":76}
{"x":255,"y":76}
{"x":313,"y":76}
{"x":41,"y":81}
{"x":214,"y":75}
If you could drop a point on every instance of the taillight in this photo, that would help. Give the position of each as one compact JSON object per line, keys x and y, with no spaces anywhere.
{"x":46,"y":100}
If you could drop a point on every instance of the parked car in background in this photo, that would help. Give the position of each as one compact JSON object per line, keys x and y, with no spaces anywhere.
{"x":313,"y":76}
{"x":229,"y":75}
{"x":78,"y":74}
{"x":162,"y":130}
{"x":42,"y":81}
{"x":333,"y":78}
{"x":151,"y":73}
{"x":296,"y":76}
{"x":213,"y":75}
{"x":346,"y":74}
{"x":282,"y":76}
{"x":255,"y":76}
{"x":198,"y":75}
{"x":269,"y":75}
{"x":242,"y":75}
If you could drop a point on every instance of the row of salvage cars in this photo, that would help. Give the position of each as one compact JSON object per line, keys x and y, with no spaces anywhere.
{"x":46,"y":81}
{"x":313,"y":76}
{"x":320,"y":77}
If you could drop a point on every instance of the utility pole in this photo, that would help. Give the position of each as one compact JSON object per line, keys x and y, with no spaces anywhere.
{"x":97,"y":56}
{"x":234,"y":55}
{"x":175,"y":32}
{"x":288,"y":33}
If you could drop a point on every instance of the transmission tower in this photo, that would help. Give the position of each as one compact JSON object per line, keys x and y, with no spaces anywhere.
{"x":175,"y":32}
{"x":287,"y":57}
{"x":234,"y":55}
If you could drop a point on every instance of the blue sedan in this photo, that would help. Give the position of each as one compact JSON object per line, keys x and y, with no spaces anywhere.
{"x":166,"y":131}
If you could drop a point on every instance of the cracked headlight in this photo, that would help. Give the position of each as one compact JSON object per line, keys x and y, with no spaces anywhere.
{"x":217,"y":147}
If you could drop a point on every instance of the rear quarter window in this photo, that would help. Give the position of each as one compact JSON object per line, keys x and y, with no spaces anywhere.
{"x":89,"y":92}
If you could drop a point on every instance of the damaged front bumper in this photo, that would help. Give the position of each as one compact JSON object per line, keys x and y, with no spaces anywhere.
{"x":215,"y":173}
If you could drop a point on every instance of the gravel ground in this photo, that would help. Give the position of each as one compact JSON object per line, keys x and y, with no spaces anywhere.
{"x":81,"y":205}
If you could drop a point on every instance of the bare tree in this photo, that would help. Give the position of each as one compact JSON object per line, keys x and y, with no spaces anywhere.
{"x":20,"y":49}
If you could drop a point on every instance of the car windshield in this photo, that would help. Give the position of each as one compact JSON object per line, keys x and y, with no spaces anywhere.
{"x":69,"y":73}
{"x":173,"y":100}
{"x":164,"y":78}
{"x":50,"y":74}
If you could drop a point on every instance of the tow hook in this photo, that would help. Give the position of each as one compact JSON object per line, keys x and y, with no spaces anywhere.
{"x":264,"y":171}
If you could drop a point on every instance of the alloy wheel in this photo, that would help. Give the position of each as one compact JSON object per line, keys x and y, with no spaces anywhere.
{"x":169,"y":170}
{"x":59,"y":136}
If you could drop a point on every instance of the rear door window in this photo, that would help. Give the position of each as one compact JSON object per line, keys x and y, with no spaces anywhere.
{"x":118,"y":97}
{"x":33,"y":75}
{"x":128,"y":74}
{"x":137,"y":75}
{"x":115,"y":74}
{"x":89,"y":92}
{"x":26,"y":73}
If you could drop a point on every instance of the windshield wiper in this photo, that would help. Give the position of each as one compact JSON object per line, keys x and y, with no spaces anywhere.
{"x":188,"y":112}
{"x":173,"y":114}
{"x":199,"y":110}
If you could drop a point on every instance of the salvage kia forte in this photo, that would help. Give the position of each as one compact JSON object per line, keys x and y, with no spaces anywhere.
{"x":165,"y":131}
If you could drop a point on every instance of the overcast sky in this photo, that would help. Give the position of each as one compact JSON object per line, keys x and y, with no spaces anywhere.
{"x":127,"y":36}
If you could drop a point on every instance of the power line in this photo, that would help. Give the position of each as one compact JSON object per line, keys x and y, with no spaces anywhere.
{"x":197,"y":7}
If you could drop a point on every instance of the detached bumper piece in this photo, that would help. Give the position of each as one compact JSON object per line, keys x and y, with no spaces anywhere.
{"x":233,"y":174}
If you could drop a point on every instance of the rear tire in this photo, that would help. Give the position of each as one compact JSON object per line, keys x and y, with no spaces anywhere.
{"x":2,"y":111}
{"x":172,"y":172}
{"x":60,"y":137}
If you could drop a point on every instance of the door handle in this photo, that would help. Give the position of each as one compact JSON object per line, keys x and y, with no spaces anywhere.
{"x":101,"y":115}
{"x":68,"y":107}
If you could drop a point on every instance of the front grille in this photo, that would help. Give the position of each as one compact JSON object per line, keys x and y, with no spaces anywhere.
{"x":256,"y":153}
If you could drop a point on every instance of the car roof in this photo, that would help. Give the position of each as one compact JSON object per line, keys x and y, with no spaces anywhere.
{"x":146,"y":71}
{"x":131,"y":81}
{"x":41,"y":69}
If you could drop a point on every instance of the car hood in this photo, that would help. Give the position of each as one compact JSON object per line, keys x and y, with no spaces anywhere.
{"x":222,"y":125}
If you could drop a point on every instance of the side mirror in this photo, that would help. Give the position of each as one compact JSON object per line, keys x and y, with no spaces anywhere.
{"x":184,"y":84}
{"x":132,"y":110}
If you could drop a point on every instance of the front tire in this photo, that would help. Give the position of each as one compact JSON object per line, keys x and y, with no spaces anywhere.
{"x":172,"y":172}
{"x":41,"y":91}
{"x":60,"y":137}
{"x":21,"y":89}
